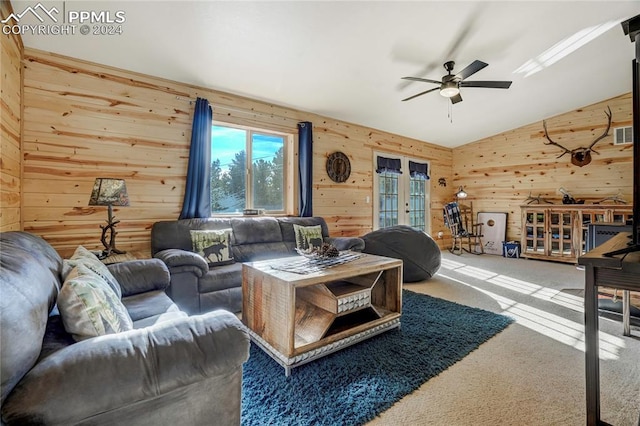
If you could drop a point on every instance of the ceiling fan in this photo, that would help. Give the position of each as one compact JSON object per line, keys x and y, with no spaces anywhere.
{"x":450,"y":85}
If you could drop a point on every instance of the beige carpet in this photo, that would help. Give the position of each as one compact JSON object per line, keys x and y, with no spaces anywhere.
{"x":533,"y":372}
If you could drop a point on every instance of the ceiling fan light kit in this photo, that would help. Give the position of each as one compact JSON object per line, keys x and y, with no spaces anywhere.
{"x":449,"y":85}
{"x":449,"y":89}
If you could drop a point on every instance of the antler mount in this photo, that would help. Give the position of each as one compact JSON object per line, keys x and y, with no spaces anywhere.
{"x":579,"y":156}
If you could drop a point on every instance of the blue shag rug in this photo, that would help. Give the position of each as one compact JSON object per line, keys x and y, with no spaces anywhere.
{"x":354,"y":385}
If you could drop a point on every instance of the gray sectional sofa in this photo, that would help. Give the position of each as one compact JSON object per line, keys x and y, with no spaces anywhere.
{"x":196,"y":287}
{"x":169,"y":369}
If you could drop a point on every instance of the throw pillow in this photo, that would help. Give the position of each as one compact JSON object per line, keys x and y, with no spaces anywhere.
{"x":91,"y":261}
{"x":89,"y":307}
{"x":308,"y":236}
{"x":213,"y":245}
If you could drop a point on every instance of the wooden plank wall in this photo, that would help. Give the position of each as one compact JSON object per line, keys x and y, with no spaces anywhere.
{"x":83,"y":120}
{"x":500,"y":172}
{"x":11,"y":49}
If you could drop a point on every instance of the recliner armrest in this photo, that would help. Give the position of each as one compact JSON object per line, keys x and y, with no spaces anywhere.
{"x":347,"y":243}
{"x":177,"y":258}
{"x":116,"y":370}
{"x":140,"y":276}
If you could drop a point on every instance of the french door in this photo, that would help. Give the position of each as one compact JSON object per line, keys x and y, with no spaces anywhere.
{"x":401,"y":195}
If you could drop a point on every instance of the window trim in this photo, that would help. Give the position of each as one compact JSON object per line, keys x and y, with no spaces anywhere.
{"x":287,"y":161}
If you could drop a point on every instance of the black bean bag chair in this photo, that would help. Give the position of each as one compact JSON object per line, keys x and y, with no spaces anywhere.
{"x":419,"y":253}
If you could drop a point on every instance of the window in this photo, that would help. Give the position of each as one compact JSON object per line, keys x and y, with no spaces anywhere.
{"x":238,"y":184}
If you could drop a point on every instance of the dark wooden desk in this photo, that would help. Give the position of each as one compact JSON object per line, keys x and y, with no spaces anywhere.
{"x":621,"y":272}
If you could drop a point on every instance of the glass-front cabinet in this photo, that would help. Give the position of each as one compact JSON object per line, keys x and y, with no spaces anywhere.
{"x":559,"y":232}
{"x":534,"y":227}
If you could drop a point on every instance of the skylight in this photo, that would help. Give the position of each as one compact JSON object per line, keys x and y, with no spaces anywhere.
{"x":564,"y":48}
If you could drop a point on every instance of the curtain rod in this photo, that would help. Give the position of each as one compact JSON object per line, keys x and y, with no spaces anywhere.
{"x":185,"y":99}
{"x":232,"y":109}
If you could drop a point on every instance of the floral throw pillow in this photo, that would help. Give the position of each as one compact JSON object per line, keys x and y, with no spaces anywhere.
{"x":308,"y":236}
{"x":213,"y":245}
{"x":91,"y":261}
{"x":89,"y":307}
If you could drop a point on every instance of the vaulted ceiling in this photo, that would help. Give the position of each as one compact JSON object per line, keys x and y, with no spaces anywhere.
{"x":345,"y":60}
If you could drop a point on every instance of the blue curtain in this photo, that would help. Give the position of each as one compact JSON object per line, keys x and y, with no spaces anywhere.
{"x":197,"y":195}
{"x":305,"y":166}
{"x":388,"y":165}
{"x":419,"y":170}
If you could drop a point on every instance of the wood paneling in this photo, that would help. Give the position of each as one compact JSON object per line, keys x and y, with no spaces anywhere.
{"x":500,"y":172}
{"x":83,"y":120}
{"x":11,"y":49}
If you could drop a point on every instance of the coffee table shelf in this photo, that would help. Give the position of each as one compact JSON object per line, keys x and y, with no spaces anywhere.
{"x":297,"y":318}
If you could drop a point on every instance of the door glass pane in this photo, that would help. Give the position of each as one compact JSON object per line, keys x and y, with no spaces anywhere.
{"x":388,"y":187}
{"x":417,"y":203}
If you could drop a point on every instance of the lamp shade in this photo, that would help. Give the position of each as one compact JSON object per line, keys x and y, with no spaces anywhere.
{"x":461,"y":193}
{"x":109,"y":192}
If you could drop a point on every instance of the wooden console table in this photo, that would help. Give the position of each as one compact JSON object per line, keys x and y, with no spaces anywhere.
{"x":621,"y":272}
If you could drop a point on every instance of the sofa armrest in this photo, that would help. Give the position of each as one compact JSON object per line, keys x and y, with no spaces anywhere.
{"x":140,"y":276}
{"x":347,"y":243}
{"x":109,"y":372}
{"x":175,"y":258}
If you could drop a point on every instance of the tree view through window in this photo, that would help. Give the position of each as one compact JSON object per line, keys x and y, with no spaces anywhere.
{"x":236,"y":185}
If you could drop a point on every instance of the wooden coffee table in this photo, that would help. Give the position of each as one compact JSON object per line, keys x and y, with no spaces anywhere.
{"x":297,"y":318}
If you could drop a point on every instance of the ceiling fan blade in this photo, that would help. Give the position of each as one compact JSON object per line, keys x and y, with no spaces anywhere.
{"x":425,"y":71}
{"x":487,"y":84}
{"x":462,"y":36}
{"x":455,"y":99}
{"x":471,"y":69}
{"x":425,"y":80}
{"x":468,"y":28}
{"x":420,"y":94}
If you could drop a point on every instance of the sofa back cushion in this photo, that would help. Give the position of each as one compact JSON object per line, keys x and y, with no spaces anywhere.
{"x":288,"y":232}
{"x":176,"y":234}
{"x":256,"y":230}
{"x":29,"y":283}
{"x":253,"y":238}
{"x":257,"y":238}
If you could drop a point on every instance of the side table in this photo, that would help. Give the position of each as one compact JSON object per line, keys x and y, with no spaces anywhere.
{"x":117,"y":258}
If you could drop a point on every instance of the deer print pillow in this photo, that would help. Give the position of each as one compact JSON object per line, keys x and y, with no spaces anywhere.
{"x":213,"y":245}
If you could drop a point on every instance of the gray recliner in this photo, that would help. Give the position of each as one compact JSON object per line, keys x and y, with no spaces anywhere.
{"x":170,"y":369}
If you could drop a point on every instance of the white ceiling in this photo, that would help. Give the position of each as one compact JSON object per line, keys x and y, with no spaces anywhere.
{"x":344,"y":59}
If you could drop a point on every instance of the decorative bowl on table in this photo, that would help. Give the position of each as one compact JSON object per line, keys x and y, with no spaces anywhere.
{"x":325,"y":251}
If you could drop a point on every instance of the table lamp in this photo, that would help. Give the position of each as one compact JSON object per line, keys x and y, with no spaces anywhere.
{"x":109,"y":192}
